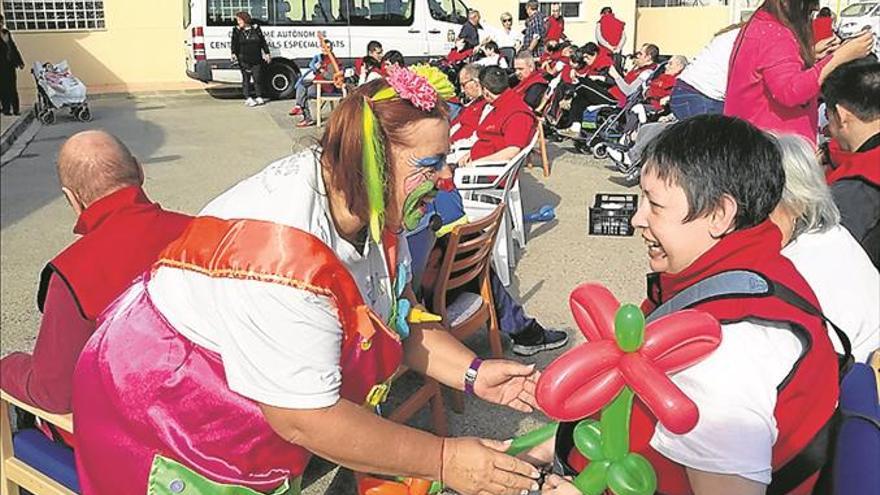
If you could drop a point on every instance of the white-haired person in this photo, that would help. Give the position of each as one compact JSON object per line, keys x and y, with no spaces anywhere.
{"x":830,"y":259}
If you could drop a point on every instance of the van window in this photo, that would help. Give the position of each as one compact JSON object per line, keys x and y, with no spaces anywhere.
{"x":381,"y":12}
{"x":448,"y":10}
{"x":187,"y":13}
{"x":309,"y":12}
{"x":222,"y":12}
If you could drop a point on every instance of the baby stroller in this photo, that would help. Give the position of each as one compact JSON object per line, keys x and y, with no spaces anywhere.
{"x":57,"y":88}
{"x":605,"y":125}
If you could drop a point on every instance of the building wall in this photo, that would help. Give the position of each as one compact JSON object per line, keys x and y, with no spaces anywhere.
{"x":579,"y":30}
{"x":141,"y":49}
{"x":680,"y":30}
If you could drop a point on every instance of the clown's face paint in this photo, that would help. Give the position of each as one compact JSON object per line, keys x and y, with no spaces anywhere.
{"x":418,"y":166}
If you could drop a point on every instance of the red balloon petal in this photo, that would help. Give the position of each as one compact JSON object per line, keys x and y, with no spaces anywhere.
{"x":581,"y":381}
{"x":594,"y":307}
{"x":666,"y":401}
{"x":681,"y":339}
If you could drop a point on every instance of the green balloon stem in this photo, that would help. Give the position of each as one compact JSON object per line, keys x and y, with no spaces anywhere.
{"x":615,"y":425}
{"x":532,"y":439}
{"x":593,"y":480}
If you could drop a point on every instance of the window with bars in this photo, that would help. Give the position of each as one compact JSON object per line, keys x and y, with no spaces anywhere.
{"x":38,"y":15}
{"x":222,"y":12}
{"x":570,"y":10}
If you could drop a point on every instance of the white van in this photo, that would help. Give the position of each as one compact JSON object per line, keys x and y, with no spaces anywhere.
{"x":419,"y":29}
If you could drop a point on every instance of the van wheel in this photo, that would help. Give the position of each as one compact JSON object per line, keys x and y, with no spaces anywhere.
{"x":280,"y":81}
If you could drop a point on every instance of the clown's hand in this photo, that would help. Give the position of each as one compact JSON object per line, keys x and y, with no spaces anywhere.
{"x":557,"y":485}
{"x":507,"y":383}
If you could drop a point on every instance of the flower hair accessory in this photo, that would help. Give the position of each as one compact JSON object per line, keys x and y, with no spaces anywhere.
{"x":421,"y":85}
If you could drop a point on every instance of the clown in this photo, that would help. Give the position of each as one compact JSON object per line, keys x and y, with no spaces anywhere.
{"x":262,"y":332}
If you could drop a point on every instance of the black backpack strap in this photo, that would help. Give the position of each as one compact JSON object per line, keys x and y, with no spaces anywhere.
{"x":743,"y":283}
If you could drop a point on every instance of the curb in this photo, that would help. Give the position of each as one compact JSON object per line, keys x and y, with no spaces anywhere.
{"x":17,"y":129}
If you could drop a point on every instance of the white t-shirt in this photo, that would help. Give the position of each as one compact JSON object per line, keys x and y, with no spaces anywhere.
{"x":505,"y":39}
{"x":280,"y":345}
{"x":707,"y":72}
{"x":491,"y":60}
{"x":735,"y":391}
{"x":845,"y":282}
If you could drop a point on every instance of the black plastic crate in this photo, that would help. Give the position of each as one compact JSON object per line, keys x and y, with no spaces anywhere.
{"x":612,"y":214}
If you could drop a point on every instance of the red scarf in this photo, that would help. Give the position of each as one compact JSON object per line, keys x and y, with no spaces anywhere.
{"x":863,"y":165}
{"x":740,"y":250}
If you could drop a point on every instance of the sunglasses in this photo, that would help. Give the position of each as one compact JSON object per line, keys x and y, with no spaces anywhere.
{"x":506,"y":20}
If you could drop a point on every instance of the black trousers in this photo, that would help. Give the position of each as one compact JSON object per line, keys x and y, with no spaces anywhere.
{"x":8,"y":91}
{"x":589,"y":93}
{"x":249,"y":87}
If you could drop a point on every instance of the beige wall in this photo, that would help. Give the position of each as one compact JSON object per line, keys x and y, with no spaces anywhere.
{"x":680,"y":30}
{"x":579,"y":31}
{"x":141,"y":49}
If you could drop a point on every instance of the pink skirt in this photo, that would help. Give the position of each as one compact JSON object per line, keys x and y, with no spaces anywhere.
{"x":142,"y":390}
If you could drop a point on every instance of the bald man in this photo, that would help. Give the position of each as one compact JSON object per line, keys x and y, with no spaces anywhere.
{"x":121,"y":233}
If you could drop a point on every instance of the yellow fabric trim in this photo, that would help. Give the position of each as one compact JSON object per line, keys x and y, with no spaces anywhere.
{"x":449,"y":226}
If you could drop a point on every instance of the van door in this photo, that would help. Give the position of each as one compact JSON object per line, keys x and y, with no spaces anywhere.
{"x":444,"y":22}
{"x":397,"y":24}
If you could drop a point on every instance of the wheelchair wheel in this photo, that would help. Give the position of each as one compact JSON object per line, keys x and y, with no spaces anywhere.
{"x":47,"y":117}
{"x":84,"y":114}
{"x":600,"y":151}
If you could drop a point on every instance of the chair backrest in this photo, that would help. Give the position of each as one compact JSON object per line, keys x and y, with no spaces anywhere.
{"x":487,"y":177}
{"x":509,"y":53}
{"x":467,"y":256}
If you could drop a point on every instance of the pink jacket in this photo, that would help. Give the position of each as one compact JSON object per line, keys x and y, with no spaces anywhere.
{"x":769,"y":84}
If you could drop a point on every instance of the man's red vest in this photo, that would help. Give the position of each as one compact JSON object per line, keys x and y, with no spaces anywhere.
{"x":863,"y":166}
{"x":122,"y":235}
{"x":660,"y":88}
{"x":469,"y":119}
{"x":555,"y":28}
{"x":490,"y":136}
{"x":808,"y":396}
{"x":611,"y":28}
{"x":630,"y":76}
{"x":532,"y":79}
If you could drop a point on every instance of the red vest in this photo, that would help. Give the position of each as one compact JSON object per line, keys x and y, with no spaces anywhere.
{"x":603,"y":61}
{"x":122,"y":234}
{"x":822,"y":29}
{"x":806,"y":400}
{"x":863,"y":166}
{"x":660,"y":88}
{"x":469,"y":119}
{"x":532,"y":79}
{"x":555,"y":28}
{"x":490,"y":134}
{"x":611,"y":28}
{"x":629,"y":78}
{"x":454,"y":56}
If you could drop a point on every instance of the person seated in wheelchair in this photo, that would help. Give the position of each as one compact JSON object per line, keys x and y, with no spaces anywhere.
{"x":592,"y":92}
{"x":491,"y":55}
{"x":587,"y":63}
{"x":656,"y":99}
{"x":507,"y":128}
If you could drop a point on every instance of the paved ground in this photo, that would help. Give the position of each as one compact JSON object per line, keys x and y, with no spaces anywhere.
{"x":194,"y":147}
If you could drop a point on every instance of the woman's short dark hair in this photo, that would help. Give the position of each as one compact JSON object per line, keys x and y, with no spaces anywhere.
{"x":856,"y":87}
{"x":342,"y":144}
{"x":491,"y":45}
{"x":606,"y":10}
{"x":393,"y":57}
{"x":824,"y":12}
{"x":373,"y":46}
{"x":245,"y":17}
{"x":709,"y":156}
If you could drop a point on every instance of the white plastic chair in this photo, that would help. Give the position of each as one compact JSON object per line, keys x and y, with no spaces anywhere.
{"x":486,"y":185}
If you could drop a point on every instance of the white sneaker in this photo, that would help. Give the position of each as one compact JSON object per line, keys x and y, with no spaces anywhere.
{"x":260,"y":101}
{"x":619,"y":156}
{"x":250,"y":102}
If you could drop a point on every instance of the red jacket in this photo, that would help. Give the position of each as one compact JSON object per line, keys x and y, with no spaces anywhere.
{"x":535,"y":77}
{"x":611,"y":28}
{"x":853,"y":165}
{"x":822,"y":29}
{"x":511,"y":122}
{"x":469,"y":119}
{"x":122,"y":234}
{"x":660,"y":88}
{"x":629,"y":78}
{"x":555,"y":28}
{"x":805,"y":401}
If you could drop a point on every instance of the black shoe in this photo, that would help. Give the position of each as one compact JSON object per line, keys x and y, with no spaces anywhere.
{"x":536,"y":339}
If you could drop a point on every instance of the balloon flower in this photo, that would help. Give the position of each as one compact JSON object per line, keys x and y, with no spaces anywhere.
{"x":622,"y":359}
{"x":369,"y":485}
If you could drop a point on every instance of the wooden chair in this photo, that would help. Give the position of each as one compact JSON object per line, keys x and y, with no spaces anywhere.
{"x":540,"y":115}
{"x":466,"y":262}
{"x":429,"y":394}
{"x":14,"y":472}
{"x":330,"y":97}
